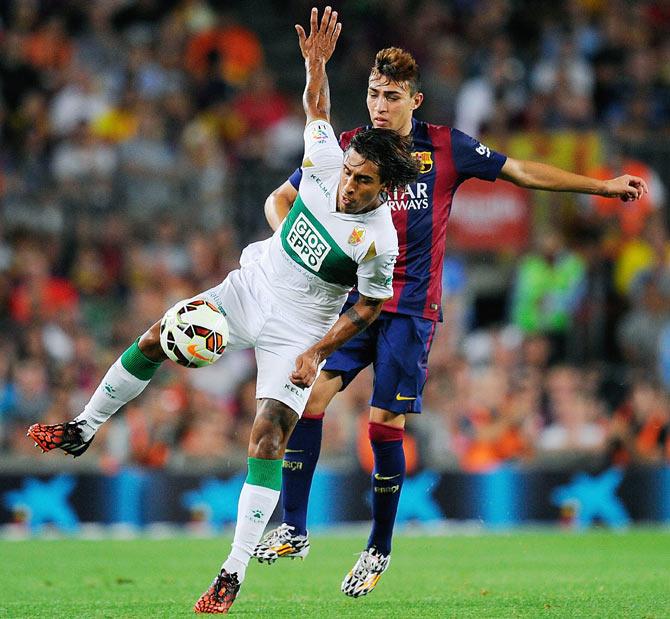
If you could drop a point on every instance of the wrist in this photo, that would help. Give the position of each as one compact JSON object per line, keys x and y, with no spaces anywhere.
{"x":603,"y":188}
{"x":315,"y":63}
{"x":318,"y":353}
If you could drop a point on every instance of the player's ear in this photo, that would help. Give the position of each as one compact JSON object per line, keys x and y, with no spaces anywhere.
{"x":417,"y":100}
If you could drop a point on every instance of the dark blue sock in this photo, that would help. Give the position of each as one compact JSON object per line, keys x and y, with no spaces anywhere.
{"x":387,"y":480}
{"x":302,"y":454}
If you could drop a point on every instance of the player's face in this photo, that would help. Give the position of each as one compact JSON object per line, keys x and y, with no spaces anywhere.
{"x":359,"y":188}
{"x":391,"y":104}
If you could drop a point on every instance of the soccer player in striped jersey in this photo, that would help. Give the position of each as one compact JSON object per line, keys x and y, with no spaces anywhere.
{"x":398,"y":344}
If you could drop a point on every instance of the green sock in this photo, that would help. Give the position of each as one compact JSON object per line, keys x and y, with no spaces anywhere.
{"x":258,"y":499}
{"x":266,"y":473}
{"x":137,"y":363}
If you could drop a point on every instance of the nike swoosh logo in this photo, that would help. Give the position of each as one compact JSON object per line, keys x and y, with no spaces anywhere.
{"x":379,"y":477}
{"x":192,"y":350}
{"x":400,"y":398}
{"x":294,"y":451}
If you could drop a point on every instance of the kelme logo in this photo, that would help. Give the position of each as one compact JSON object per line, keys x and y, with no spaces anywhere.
{"x":306,"y":241}
{"x":255,"y":515}
{"x":109,"y":390}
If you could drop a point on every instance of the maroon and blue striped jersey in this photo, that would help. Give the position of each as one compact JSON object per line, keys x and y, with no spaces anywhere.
{"x":420,"y":211}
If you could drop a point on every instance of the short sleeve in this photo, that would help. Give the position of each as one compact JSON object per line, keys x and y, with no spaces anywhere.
{"x":375,"y":276}
{"x":295,"y":178}
{"x":472,"y":158}
{"x":322,"y":149}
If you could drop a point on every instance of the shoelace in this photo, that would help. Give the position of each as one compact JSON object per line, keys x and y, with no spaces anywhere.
{"x":365,"y":564}
{"x":222,"y":582}
{"x":75,"y":430}
{"x":72,"y":433}
{"x":283,"y":530}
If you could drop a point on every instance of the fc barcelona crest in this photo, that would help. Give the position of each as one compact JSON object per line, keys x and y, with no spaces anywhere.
{"x":357,"y":235}
{"x":425,"y":159}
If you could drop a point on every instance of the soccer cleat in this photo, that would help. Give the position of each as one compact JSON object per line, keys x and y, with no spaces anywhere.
{"x":281,"y":542}
{"x":65,"y":436}
{"x":365,"y":575}
{"x":220,"y":596}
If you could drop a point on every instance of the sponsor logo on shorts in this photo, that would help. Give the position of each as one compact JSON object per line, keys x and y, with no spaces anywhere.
{"x":304,"y":239}
{"x":402,"y":398}
{"x":291,"y":466}
{"x":293,"y":389}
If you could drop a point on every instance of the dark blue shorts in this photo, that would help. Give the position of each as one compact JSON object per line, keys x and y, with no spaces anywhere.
{"x":397,"y":346}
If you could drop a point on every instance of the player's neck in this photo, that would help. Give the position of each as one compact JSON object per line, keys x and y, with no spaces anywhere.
{"x":407,"y":129}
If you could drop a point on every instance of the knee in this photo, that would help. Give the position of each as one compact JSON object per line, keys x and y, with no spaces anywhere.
{"x":150,"y":343}
{"x":316,"y":405}
{"x":325,"y":388}
{"x":268,"y":446}
{"x":387,"y":418}
{"x":271,"y":430}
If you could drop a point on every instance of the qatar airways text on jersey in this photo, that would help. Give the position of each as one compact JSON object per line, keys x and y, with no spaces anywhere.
{"x":414,"y":196}
{"x":420,"y":211}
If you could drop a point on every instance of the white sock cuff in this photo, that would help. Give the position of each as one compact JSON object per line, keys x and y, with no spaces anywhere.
{"x":126,"y":375}
{"x":262,"y":490}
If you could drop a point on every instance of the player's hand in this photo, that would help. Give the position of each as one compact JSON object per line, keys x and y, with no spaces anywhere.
{"x":306,"y":368}
{"x":626,"y":187}
{"x":320,"y":44}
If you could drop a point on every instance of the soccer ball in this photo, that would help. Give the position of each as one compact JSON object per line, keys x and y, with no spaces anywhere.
{"x":194,"y":333}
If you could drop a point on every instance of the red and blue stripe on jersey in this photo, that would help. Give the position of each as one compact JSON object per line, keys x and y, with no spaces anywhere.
{"x":421,"y":210}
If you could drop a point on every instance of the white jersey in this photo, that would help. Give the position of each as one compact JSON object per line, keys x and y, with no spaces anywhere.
{"x":290,"y":288}
{"x":318,"y":254}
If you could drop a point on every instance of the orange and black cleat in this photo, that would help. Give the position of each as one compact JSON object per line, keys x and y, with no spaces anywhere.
{"x":66,"y":436}
{"x":220,"y":596}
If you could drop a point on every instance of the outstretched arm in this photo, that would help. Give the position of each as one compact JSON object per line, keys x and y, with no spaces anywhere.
{"x":356,"y":319}
{"x":534,"y":175}
{"x":316,"y":49}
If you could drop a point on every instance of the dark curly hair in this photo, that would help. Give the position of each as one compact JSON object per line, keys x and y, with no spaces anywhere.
{"x":391,"y":153}
{"x":397,"y":65}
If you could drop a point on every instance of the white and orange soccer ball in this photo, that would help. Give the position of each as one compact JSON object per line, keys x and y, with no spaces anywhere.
{"x":194,"y":333}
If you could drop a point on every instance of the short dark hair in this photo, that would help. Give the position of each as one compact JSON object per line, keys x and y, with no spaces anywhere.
{"x":397,"y":65}
{"x":390,"y":152}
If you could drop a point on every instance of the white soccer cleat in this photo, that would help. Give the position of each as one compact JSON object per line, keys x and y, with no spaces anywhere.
{"x":365,"y":575}
{"x":281,"y":542}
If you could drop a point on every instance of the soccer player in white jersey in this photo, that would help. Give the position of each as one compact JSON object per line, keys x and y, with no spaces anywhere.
{"x":339,"y":234}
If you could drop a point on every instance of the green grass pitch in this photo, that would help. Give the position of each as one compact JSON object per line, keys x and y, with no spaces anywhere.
{"x":520,"y":574}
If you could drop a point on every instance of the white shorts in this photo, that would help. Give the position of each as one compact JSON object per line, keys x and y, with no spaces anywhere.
{"x":258,"y":320}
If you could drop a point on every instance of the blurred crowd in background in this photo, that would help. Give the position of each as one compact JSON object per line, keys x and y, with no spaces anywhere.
{"x":139,"y":139}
